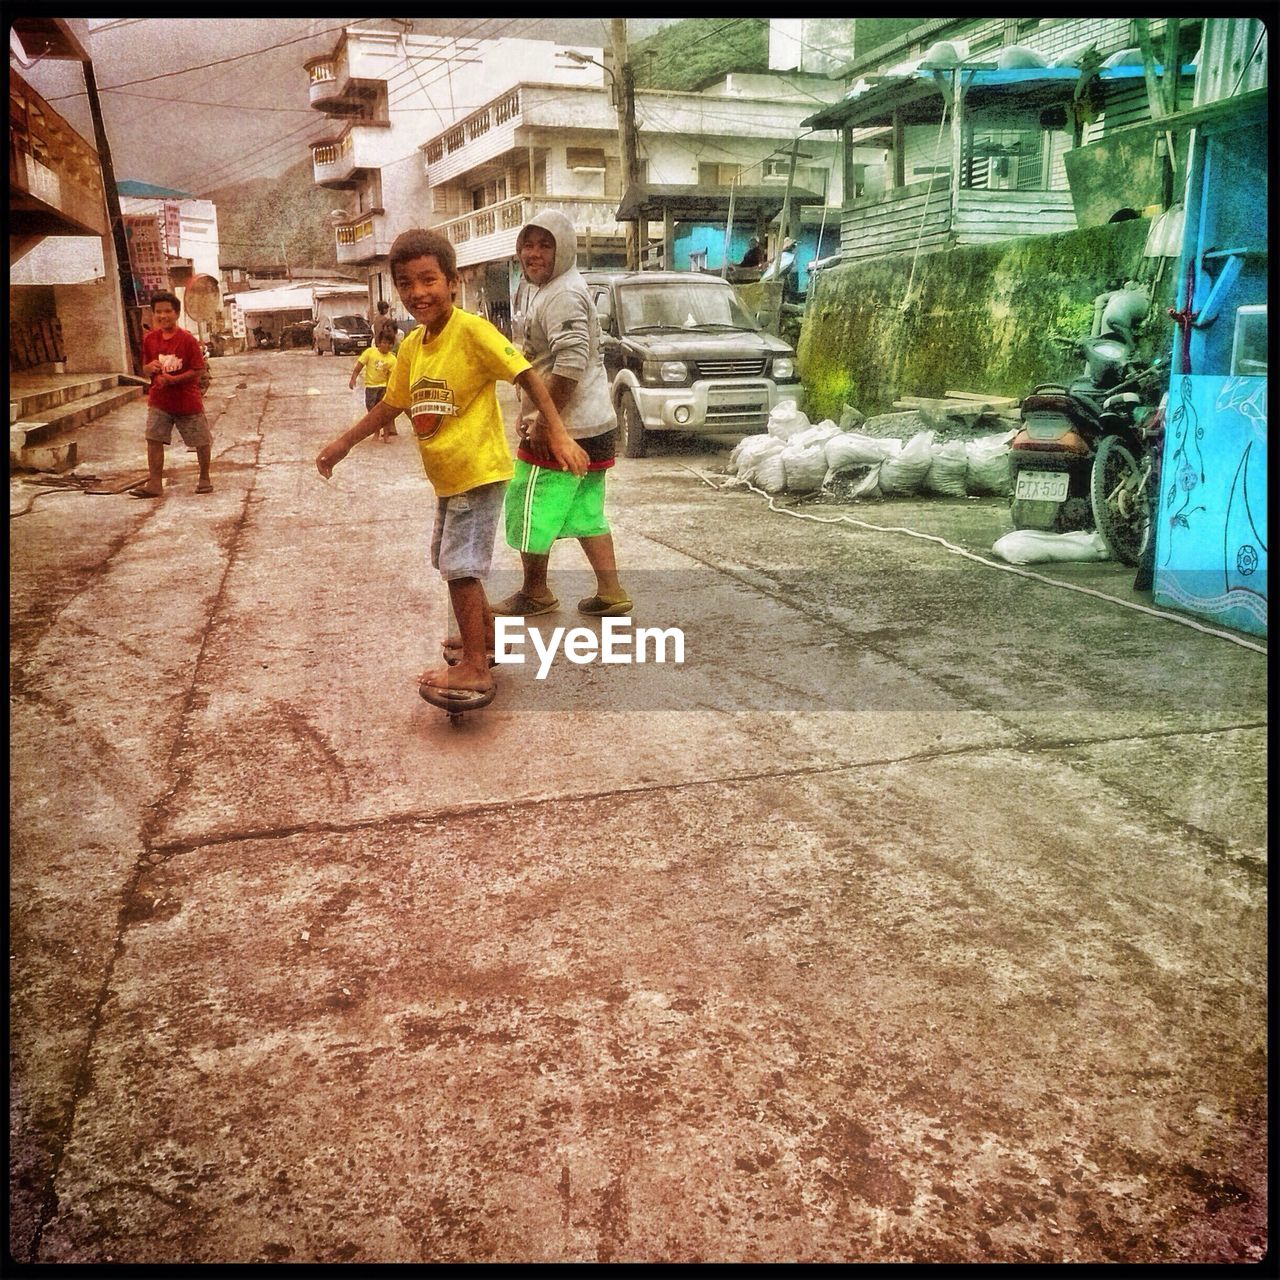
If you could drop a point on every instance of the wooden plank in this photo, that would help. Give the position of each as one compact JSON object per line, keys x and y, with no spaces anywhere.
{"x":996,"y":402}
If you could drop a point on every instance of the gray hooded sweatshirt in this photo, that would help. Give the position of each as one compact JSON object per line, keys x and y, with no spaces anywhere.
{"x":556,"y":326}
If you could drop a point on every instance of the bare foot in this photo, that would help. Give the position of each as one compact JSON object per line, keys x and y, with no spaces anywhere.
{"x":455,"y":641}
{"x":462,"y":676}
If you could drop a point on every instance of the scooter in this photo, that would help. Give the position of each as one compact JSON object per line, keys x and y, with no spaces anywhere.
{"x":1052,"y":456}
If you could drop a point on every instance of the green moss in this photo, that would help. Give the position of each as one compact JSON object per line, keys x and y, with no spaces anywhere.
{"x":979,"y":318}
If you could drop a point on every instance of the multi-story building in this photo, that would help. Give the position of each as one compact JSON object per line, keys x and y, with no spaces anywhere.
{"x":980,"y":141}
{"x":537,"y":146}
{"x":465,"y":135}
{"x":173,"y":239}
{"x":385,"y":88}
{"x":65,"y":304}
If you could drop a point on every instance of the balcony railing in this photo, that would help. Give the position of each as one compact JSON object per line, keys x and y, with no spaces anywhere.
{"x":362,"y":240}
{"x":490,"y":233}
{"x":474,"y":126}
{"x":53,"y":172}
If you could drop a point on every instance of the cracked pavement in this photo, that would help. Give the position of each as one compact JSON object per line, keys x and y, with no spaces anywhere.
{"x":920,"y":915}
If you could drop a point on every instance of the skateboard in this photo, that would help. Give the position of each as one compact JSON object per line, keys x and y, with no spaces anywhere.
{"x":453,"y":656}
{"x":456,"y":702}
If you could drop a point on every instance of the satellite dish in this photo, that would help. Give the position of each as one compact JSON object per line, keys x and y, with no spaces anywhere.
{"x":203,"y":298}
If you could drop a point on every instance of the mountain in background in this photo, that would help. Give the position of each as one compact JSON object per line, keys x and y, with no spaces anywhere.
{"x":268,"y":221}
{"x":691,"y":51}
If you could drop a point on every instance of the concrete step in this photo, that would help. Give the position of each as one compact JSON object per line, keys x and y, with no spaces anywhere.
{"x":31,"y":405}
{"x":68,"y":416}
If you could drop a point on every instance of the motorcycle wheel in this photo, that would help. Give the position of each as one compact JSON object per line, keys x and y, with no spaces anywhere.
{"x":1120,"y":513}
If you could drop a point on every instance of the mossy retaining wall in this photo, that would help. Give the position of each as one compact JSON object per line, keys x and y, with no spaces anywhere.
{"x":979,"y":318}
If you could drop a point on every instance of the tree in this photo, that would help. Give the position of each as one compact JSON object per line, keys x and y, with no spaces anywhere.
{"x":687,"y":53}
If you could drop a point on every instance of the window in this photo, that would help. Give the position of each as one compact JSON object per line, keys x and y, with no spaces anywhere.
{"x":718,"y":175}
{"x":584,"y":159}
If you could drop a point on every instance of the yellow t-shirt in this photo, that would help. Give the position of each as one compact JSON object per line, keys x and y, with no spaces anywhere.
{"x":448,"y":387}
{"x":377,"y":367}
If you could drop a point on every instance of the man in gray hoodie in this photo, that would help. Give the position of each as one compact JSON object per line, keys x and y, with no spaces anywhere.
{"x":555,"y":322}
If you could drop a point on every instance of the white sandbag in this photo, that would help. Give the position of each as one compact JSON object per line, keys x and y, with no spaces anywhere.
{"x":785,"y":420}
{"x":904,"y":473}
{"x":805,"y":467}
{"x":752,"y":451}
{"x":745,"y":447}
{"x":770,"y":474}
{"x":819,"y":433}
{"x":1036,"y":546}
{"x":851,"y":449}
{"x":870,"y":484}
{"x":947,"y":471}
{"x":990,"y":470}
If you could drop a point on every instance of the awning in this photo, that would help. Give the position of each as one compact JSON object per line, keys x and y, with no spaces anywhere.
{"x":290,"y":299}
{"x":651,"y":202}
{"x":916,"y":98}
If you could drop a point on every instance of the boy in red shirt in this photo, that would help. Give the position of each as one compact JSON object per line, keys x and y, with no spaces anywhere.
{"x":174,"y":360}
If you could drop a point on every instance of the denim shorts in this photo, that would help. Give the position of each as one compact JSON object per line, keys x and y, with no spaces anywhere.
{"x":192,"y":427}
{"x":466,"y":525}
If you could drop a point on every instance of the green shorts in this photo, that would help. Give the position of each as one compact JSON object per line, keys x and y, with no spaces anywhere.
{"x":544,"y":504}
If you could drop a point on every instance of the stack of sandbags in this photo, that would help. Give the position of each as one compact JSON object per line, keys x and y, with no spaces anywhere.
{"x":804,"y":459}
{"x":904,"y":473}
{"x":989,"y":468}
{"x":758,"y":461}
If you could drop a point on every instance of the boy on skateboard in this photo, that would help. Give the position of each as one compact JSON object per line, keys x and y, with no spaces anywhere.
{"x":445,"y":379}
{"x":555,"y":323}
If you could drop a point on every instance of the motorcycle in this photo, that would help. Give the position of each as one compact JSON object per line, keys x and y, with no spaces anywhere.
{"x":1054,"y":454}
{"x":1125,"y":492}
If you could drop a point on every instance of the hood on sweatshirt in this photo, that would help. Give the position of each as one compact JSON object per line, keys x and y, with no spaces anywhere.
{"x":562,"y":231}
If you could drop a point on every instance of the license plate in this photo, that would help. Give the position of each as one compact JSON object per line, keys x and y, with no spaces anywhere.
{"x":1042,"y":486}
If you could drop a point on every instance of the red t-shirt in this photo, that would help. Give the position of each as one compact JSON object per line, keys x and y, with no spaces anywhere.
{"x":183,"y":352}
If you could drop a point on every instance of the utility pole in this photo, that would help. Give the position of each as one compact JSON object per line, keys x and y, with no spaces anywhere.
{"x":128,"y":294}
{"x":625,"y":86}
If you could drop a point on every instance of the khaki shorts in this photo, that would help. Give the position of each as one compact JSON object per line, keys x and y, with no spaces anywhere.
{"x":192,"y":427}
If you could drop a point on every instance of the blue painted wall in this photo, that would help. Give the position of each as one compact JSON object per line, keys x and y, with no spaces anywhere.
{"x":691,"y":237}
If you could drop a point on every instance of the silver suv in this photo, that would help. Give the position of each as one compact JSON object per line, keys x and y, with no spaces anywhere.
{"x":683,"y":354}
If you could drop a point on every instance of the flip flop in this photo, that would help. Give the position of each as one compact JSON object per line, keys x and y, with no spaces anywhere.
{"x":597,"y":607}
{"x":519,"y":605}
{"x":204,"y":488}
{"x":142,"y":493}
{"x":457,"y":699}
{"x":452,"y":654}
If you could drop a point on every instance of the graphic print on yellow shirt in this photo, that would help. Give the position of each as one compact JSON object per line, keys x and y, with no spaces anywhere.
{"x":432,"y":403}
{"x":377,"y":367}
{"x":448,"y":387}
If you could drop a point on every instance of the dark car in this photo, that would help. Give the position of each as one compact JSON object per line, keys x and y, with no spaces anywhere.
{"x":684,"y":354}
{"x":343,"y":335}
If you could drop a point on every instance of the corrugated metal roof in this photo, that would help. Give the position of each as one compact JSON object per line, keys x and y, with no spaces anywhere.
{"x":917,"y":94}
{"x":1233,"y":59}
{"x":291,"y":299}
{"x":132,"y":187}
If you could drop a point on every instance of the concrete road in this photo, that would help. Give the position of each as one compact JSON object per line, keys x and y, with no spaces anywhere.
{"x":918,"y":915}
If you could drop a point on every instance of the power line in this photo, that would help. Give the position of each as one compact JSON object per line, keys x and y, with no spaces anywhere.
{"x":204,"y":66}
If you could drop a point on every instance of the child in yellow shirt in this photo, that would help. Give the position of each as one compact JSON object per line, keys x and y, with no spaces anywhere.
{"x":378,"y":365}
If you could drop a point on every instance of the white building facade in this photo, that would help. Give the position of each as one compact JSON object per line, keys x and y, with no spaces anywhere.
{"x":473,"y":136}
